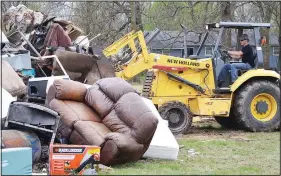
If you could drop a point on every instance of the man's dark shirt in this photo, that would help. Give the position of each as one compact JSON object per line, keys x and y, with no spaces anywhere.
{"x":248,"y":55}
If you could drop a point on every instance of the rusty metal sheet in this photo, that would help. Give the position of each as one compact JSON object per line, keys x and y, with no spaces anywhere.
{"x":18,"y":138}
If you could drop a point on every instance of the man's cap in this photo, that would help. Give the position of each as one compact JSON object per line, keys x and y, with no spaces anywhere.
{"x":244,"y":37}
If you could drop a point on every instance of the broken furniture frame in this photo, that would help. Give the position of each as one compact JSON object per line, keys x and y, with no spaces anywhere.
{"x":46,"y":122}
{"x":38,"y":54}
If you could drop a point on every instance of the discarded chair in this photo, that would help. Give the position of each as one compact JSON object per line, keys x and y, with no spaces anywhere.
{"x":109,"y":114}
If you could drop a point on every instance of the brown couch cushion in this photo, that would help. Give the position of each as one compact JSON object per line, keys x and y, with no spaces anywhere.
{"x":140,"y":120}
{"x":63,"y":131}
{"x":98,"y":101}
{"x":78,"y":139}
{"x":93,"y":132}
{"x":69,"y":90}
{"x":110,"y":153}
{"x":115,"y":88}
{"x":50,"y":95}
{"x":115,"y":124}
{"x":124,"y":142}
{"x":144,"y":127}
{"x":126,"y":108}
{"x":120,"y":149}
{"x":72,"y":111}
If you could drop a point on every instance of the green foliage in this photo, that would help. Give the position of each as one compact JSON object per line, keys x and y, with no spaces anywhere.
{"x":169,"y":15}
{"x":139,"y":79}
{"x":36,"y":6}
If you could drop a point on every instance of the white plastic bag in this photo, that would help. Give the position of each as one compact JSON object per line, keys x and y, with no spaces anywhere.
{"x":6,"y":101}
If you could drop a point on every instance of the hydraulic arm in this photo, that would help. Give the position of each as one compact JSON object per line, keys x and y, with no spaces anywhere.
{"x":135,"y":57}
{"x":133,"y":48}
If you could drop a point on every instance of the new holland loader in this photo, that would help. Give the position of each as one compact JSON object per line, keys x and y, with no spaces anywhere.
{"x":185,"y":87}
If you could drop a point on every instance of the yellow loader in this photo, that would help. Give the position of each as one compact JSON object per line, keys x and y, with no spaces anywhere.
{"x":182,"y":88}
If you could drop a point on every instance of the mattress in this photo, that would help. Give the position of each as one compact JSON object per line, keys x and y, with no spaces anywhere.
{"x":163,"y":145}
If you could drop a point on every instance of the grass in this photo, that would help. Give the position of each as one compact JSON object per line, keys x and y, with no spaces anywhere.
{"x":221,"y":152}
{"x":137,"y":86}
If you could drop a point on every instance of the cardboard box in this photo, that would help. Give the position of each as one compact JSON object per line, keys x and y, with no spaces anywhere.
{"x":66,"y":159}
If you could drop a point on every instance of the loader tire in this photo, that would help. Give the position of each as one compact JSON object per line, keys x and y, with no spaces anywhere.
{"x":227,"y":122}
{"x":178,"y":116}
{"x":257,"y":106}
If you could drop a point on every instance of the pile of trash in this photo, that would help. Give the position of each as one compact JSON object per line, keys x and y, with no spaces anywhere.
{"x":61,"y":105}
{"x":44,"y":36}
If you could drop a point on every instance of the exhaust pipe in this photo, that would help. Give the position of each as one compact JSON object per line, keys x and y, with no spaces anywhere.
{"x":152,"y":35}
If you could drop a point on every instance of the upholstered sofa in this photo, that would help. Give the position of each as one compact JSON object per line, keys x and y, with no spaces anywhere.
{"x":109,"y":114}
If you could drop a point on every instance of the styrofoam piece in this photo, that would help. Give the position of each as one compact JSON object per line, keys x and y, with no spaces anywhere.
{"x":7,"y":98}
{"x":19,"y":62}
{"x":4,"y":38}
{"x":83,"y":41}
{"x":87,"y":86}
{"x":163,"y":145}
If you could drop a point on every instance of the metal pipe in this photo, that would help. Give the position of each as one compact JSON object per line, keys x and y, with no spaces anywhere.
{"x":58,"y":61}
{"x":82,"y":39}
{"x":54,"y":56}
{"x":185,"y":47}
{"x":152,"y":35}
{"x":184,"y":38}
{"x":202,"y":43}
{"x":94,"y":37}
{"x":219,"y":39}
{"x":186,"y":82}
{"x":258,"y":47}
{"x":31,"y":46}
{"x":145,"y":34}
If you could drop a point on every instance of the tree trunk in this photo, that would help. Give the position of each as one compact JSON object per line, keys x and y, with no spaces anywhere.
{"x":138,"y":15}
{"x":266,"y":14}
{"x":206,"y":12}
{"x":279,"y":37}
{"x":133,"y":16}
{"x":88,"y":17}
{"x":226,"y":16}
{"x":238,"y":45}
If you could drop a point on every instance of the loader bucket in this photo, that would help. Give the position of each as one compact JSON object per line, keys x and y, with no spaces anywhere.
{"x":102,"y":69}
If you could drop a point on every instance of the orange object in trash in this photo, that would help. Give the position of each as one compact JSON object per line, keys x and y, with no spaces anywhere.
{"x":263,"y":40}
{"x":72,"y":159}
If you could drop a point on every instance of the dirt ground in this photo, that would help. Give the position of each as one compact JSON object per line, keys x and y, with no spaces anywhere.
{"x":207,"y":128}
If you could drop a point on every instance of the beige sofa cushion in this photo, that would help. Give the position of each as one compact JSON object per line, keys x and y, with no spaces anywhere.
{"x":72,"y":111}
{"x":93,"y":133}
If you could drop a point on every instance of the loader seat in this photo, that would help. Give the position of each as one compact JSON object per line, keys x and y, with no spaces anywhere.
{"x":109,"y":114}
{"x":242,"y":71}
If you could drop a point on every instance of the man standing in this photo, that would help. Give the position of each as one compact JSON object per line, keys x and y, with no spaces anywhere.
{"x":247,"y":63}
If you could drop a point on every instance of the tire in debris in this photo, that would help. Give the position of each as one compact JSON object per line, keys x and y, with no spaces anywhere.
{"x":178,"y":115}
{"x":257,"y":106}
{"x":227,"y":122}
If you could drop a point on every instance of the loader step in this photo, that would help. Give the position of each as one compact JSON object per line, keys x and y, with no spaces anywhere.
{"x":222,"y":90}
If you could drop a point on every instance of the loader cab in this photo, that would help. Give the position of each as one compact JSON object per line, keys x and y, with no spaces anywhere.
{"x":220,"y":58}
